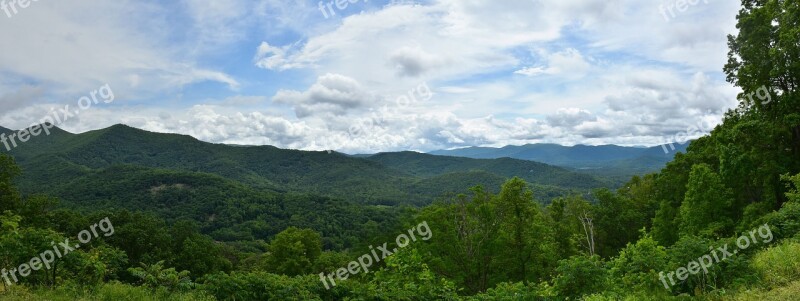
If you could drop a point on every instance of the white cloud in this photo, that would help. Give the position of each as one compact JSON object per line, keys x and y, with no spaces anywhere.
{"x":331,"y":94}
{"x":568,"y":63}
{"x":413,"y":61}
{"x":571,"y":117}
{"x":72,"y":47}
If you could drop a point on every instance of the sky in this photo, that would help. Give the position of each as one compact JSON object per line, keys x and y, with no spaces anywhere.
{"x":367,"y":76}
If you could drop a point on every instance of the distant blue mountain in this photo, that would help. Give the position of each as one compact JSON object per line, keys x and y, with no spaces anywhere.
{"x":619,"y":162}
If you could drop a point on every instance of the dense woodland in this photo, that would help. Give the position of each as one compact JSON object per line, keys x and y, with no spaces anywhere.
{"x":192,"y":224}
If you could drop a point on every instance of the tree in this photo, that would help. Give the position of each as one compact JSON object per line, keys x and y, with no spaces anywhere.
{"x":200,"y":255}
{"x":141,"y":236}
{"x":525,"y":234}
{"x":573,"y":226}
{"x":466,"y":245}
{"x":580,"y":275}
{"x":406,"y":277}
{"x":794,"y":193}
{"x":294,"y":252}
{"x":156,"y":275}
{"x":617,"y":222}
{"x":764,"y":61}
{"x":35,"y":210}
{"x":9,"y":195}
{"x":588,"y":230}
{"x":637,"y":266}
{"x":706,"y":207}
{"x":688,"y":249}
{"x":9,"y":239}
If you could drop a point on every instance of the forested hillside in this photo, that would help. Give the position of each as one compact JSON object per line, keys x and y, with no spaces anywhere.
{"x":63,"y":157}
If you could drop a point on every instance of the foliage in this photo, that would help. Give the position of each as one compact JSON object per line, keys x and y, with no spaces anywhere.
{"x":705,"y":209}
{"x":294,"y":252}
{"x":407,"y":278}
{"x":156,"y":275}
{"x":637,"y":266}
{"x":579,"y":276}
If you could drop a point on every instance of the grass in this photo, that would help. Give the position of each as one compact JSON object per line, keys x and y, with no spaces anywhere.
{"x":778,"y":265}
{"x":106,"y":292}
{"x":785,"y":293}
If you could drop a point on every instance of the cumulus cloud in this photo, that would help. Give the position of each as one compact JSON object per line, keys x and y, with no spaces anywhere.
{"x":332,"y":93}
{"x":413,"y":61}
{"x":570,"y":117}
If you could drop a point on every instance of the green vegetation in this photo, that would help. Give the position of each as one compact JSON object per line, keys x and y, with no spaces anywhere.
{"x":197,"y":221}
{"x":52,"y":163}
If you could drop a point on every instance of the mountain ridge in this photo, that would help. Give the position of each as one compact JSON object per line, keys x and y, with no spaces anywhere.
{"x":612,"y":161}
{"x":383,"y":179}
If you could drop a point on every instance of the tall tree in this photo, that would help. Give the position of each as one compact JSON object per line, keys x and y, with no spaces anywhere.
{"x":526,"y":233}
{"x":706,"y":207}
{"x":466,"y":245}
{"x":617,"y":221}
{"x":764,"y":61}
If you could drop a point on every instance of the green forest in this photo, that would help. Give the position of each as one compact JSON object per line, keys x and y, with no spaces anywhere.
{"x":172,"y":218}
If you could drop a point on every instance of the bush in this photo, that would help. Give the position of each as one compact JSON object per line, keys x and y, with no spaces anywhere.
{"x":579,"y":276}
{"x":637,"y":267}
{"x":507,"y":291}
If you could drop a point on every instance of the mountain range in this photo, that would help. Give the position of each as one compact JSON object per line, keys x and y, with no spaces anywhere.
{"x":613,"y":162}
{"x":57,"y":162}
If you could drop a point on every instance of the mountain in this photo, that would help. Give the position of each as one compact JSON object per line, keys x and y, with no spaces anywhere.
{"x":574,"y":156}
{"x":54,"y":162}
{"x":618,"y":162}
{"x":426,"y":165}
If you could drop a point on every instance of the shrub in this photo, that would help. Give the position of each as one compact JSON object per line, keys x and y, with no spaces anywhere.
{"x":579,"y":276}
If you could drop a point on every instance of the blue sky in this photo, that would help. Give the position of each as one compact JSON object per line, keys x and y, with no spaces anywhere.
{"x":281,"y":73}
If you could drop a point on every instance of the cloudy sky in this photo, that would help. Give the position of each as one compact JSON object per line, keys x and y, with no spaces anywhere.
{"x":373,"y":75}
